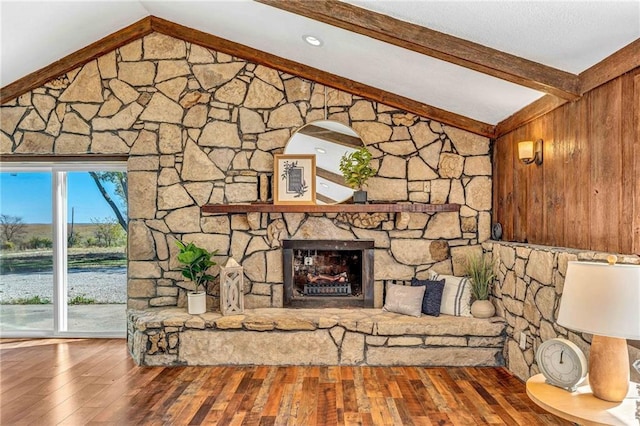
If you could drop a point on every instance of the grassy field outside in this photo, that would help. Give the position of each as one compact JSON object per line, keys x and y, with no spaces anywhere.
{"x":45,"y":230}
{"x":42,"y":260}
{"x":82,"y":255}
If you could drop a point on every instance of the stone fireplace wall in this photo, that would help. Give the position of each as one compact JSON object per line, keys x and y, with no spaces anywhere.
{"x":200,"y":127}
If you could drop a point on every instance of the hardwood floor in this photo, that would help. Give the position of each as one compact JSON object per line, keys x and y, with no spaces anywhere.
{"x":94,"y":381}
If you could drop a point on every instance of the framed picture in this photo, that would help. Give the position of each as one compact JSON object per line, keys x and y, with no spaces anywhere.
{"x":294,"y":178}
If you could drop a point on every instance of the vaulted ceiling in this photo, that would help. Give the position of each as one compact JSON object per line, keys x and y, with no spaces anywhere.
{"x":485,"y":66}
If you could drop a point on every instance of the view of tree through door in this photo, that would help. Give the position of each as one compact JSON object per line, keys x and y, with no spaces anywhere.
{"x":63,"y":271}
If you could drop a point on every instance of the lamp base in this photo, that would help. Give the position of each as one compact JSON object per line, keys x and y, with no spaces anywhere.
{"x":609,"y":368}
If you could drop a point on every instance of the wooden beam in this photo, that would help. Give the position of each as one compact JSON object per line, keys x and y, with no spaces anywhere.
{"x":436,"y":44}
{"x":613,"y":66}
{"x":322,"y":77}
{"x":529,"y":113}
{"x":104,"y":45}
{"x":331,"y":136}
{"x":335,"y":208}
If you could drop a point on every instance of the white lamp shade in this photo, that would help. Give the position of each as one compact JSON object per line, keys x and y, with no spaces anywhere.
{"x":601,"y":299}
{"x":525,"y":150}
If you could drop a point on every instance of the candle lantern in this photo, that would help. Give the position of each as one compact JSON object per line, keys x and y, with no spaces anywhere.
{"x":231,"y":288}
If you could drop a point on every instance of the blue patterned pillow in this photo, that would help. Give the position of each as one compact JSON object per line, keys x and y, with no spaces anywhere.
{"x":432,"y":295}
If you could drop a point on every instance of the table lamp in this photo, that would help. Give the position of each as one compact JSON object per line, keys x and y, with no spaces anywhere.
{"x":604,"y":300}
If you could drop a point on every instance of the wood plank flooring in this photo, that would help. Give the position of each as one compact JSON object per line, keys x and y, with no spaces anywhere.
{"x":94,"y":381}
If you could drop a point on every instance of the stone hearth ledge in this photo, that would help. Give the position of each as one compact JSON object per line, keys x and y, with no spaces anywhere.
{"x":275,"y":336}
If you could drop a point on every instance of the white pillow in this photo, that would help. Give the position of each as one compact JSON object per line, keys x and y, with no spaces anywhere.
{"x":456,"y":296}
{"x":404,"y":299}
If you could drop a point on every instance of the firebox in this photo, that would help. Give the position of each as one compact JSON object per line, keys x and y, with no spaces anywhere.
{"x":328,"y":273}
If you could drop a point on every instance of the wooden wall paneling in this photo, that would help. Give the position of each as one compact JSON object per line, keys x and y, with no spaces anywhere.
{"x":520,"y":188}
{"x":496,"y":172}
{"x":536,"y":213}
{"x":606,"y":164}
{"x":586,"y":194}
{"x":635,"y":156}
{"x":502,"y":185}
{"x":509,"y":190}
{"x":629,"y":162}
{"x":585,"y":168}
{"x":553,"y":172}
{"x":577,"y":177}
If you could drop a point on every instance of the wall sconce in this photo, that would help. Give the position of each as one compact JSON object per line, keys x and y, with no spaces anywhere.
{"x":530,"y":151}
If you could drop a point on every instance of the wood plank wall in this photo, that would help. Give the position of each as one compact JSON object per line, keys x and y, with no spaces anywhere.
{"x":586,"y":194}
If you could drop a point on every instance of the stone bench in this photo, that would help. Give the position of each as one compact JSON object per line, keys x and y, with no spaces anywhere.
{"x":274,"y":336}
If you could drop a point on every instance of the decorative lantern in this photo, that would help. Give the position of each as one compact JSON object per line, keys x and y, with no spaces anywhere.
{"x":231,"y":288}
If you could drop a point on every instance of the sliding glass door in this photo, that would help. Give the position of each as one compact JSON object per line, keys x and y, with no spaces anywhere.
{"x":63,"y":250}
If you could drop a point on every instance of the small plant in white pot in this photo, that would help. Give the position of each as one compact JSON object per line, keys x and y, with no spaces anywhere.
{"x":197,"y":261}
{"x":480,"y":272}
{"x":356,"y":171}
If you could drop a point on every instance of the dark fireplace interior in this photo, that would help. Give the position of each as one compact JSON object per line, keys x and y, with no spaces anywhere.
{"x":328,"y":273}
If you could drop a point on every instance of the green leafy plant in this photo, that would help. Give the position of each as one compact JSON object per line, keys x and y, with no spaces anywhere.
{"x":356,"y":169}
{"x":480,"y":271}
{"x":197,"y":261}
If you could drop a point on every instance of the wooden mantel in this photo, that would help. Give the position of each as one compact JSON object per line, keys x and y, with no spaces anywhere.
{"x":331,"y":208}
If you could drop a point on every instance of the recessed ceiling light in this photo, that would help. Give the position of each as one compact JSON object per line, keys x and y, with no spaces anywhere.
{"x":324,"y":185}
{"x":312,"y":40}
{"x":321,"y":150}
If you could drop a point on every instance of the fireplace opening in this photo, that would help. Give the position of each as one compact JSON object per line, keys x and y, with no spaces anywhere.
{"x":328,"y":273}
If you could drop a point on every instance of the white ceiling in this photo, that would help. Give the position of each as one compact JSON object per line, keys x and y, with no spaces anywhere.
{"x":569,"y":35}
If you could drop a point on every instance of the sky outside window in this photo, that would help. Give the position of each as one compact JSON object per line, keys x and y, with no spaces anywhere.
{"x":28,"y":195}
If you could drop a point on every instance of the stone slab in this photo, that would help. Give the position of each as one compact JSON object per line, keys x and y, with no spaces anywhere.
{"x":432,"y":357}
{"x":253,"y":347}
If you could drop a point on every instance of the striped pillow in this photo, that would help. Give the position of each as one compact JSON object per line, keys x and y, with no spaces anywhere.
{"x":456,"y":296}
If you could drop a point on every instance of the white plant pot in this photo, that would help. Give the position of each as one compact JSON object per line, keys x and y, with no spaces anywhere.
{"x":482,"y":309}
{"x":197,"y":302}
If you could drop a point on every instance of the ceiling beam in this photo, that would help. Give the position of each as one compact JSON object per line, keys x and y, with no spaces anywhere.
{"x":105,"y":45}
{"x":295,"y":68}
{"x":613,"y":66}
{"x":529,"y":113}
{"x":616,"y":64}
{"x":436,"y":44}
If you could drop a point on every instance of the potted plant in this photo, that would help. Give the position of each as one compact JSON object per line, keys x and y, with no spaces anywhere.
{"x":480,"y":272}
{"x":356,"y":171}
{"x":197,"y":261}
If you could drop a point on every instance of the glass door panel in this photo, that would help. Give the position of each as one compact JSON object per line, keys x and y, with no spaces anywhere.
{"x":96,"y":258}
{"x":26,"y":253}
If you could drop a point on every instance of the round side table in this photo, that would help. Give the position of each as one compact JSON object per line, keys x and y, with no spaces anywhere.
{"x":582,"y":407}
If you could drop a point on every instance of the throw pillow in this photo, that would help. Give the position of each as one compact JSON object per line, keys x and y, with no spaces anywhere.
{"x":456,"y":296}
{"x":404,"y":299}
{"x":432,"y":295}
